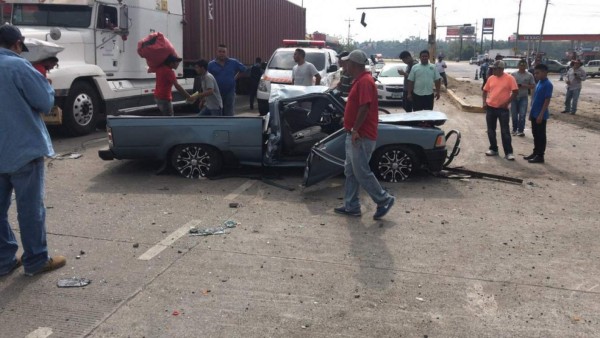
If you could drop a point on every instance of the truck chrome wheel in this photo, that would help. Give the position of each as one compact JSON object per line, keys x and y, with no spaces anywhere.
{"x":394,"y":163}
{"x":83,"y":109}
{"x":196,"y":160}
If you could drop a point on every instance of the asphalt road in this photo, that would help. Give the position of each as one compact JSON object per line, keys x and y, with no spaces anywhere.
{"x":454,"y":258}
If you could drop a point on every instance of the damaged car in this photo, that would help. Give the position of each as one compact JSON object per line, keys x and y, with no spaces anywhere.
{"x":302,"y":129}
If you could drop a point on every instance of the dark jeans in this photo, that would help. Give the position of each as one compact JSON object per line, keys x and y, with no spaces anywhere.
{"x":252,"y":95}
{"x":422,"y":102}
{"x":539,"y":137}
{"x":407,"y":105}
{"x":445,"y":78}
{"x":492,"y":116}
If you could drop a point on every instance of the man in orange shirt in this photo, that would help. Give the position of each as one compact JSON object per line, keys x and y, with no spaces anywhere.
{"x":165,"y":80}
{"x":499,"y":90}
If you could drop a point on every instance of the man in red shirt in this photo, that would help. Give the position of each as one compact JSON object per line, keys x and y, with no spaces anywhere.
{"x":45,"y":65}
{"x":361,"y":118}
{"x":165,"y":80}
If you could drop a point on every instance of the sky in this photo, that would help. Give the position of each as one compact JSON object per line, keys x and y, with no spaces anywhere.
{"x":563,"y":17}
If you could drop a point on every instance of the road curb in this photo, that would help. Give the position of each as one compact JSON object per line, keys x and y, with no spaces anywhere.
{"x":463,"y":105}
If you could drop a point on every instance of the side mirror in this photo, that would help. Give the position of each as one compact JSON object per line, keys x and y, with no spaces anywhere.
{"x":55,"y":33}
{"x":123,"y":22}
{"x":332,"y":68}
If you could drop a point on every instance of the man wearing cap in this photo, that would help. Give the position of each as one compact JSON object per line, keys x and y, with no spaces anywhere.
{"x":165,"y":80}
{"x":518,"y":106}
{"x":575,"y":76}
{"x":421,"y":79}
{"x":360,"y":122}
{"x":24,"y":141}
{"x":345,"y":79}
{"x":498,"y":92}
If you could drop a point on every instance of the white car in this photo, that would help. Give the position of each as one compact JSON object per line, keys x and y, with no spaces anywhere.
{"x":390,"y":84}
{"x":511,"y":64}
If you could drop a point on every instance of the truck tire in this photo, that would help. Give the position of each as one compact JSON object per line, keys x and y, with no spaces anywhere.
{"x":263,"y":106}
{"x":196,"y":160}
{"x":82,"y":109}
{"x":394,"y":163}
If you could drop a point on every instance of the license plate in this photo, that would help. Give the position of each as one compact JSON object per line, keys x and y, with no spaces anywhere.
{"x":396,"y":95}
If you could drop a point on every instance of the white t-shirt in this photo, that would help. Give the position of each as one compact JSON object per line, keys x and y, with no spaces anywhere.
{"x":303,"y":74}
{"x":440,"y":66}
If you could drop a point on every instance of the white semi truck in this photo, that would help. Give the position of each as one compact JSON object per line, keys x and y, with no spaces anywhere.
{"x":100,"y":71}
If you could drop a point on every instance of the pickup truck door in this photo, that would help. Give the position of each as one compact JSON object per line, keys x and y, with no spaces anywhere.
{"x":326,"y":159}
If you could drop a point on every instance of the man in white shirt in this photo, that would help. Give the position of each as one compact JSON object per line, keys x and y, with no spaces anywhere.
{"x":441,"y":68}
{"x":304,"y":71}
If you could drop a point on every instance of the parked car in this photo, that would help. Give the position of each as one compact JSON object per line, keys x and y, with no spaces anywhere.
{"x":378,"y":67}
{"x":555,"y":66}
{"x":511,"y":64}
{"x":473,"y":61}
{"x":302,"y":122}
{"x":592,"y":68}
{"x":390,"y":84}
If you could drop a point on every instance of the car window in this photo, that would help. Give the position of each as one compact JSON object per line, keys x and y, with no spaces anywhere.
{"x":511,"y":63}
{"x":284,"y":59}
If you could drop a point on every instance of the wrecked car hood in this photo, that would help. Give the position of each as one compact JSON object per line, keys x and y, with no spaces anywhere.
{"x":415,"y":118}
{"x":279,"y":91}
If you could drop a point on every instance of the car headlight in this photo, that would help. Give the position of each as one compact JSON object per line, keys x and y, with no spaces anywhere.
{"x":380,"y":87}
{"x":263,"y":86}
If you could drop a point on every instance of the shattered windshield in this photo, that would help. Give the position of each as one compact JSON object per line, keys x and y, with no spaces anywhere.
{"x":52,"y":15}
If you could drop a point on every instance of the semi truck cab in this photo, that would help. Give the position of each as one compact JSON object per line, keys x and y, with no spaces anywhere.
{"x":99,"y":71}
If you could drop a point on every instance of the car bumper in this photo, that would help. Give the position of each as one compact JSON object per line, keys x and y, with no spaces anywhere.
{"x":106,"y":154}
{"x":436,"y":158}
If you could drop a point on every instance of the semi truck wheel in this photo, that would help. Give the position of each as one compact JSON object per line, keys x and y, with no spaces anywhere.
{"x":196,"y":160}
{"x":394,"y":163}
{"x":82,"y":109}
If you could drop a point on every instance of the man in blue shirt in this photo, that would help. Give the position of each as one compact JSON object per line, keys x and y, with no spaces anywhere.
{"x":226,"y":71}
{"x":539,"y":113}
{"x":24,"y":141}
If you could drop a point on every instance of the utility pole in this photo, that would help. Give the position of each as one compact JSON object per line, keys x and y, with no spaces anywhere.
{"x":432,"y":36}
{"x":542,"y":32}
{"x":518,"y":23}
{"x":349,"y":22}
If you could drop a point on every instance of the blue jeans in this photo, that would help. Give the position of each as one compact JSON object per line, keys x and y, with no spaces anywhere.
{"x":493,"y":115}
{"x":571,"y":100}
{"x":228,"y":103}
{"x":165,"y":107}
{"x":28,"y":184}
{"x":518,"y":109}
{"x":210,"y":112}
{"x":359,"y":174}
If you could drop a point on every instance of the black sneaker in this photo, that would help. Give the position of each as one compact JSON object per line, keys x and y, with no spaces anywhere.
{"x":342,"y":211}
{"x":537,"y":159}
{"x":529,"y":157}
{"x":383,"y":210}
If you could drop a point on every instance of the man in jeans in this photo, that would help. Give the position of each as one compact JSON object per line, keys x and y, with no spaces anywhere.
{"x":518,"y":107}
{"x":24,"y":141}
{"x":539,"y":113}
{"x":360,"y":122}
{"x":210,"y":102}
{"x":410,"y":62}
{"x":499,"y":90}
{"x":575,"y":76}
{"x":226,"y":71}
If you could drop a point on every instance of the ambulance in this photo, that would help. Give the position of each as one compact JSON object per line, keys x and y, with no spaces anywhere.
{"x":279,"y":67}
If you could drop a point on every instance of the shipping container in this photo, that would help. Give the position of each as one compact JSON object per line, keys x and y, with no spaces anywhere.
{"x":249,"y":28}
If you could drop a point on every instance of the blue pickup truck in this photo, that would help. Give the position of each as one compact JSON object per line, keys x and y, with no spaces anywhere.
{"x":302,"y":129}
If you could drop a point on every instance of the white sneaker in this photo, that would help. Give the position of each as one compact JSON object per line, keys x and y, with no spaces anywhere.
{"x":510,"y":157}
{"x":491,"y":153}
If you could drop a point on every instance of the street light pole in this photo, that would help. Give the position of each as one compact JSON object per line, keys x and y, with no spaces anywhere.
{"x":542,"y":32}
{"x":518,"y":23}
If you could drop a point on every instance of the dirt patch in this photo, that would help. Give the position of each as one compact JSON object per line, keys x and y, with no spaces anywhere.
{"x":588,"y":111}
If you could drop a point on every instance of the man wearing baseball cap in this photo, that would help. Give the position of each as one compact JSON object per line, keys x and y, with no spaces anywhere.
{"x":24,"y":141}
{"x":361,"y":119}
{"x":498,"y":92}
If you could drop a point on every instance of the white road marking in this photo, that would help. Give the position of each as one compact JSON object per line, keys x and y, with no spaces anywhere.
{"x":41,"y":332}
{"x":237,"y":192}
{"x":165,"y":243}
